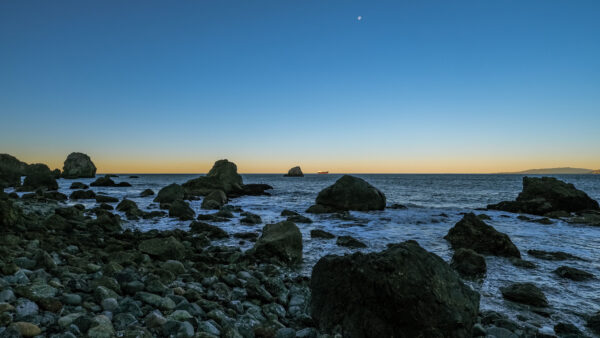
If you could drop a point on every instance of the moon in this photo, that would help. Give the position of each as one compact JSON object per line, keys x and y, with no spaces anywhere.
{"x":359,"y":18}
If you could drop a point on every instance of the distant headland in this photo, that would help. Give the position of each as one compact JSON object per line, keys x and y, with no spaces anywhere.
{"x":556,"y":171}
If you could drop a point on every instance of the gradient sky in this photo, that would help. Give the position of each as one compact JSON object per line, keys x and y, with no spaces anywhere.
{"x":419,"y":86}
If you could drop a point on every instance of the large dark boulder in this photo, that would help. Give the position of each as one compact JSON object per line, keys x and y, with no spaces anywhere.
{"x":181,"y":210}
{"x":472,"y":233}
{"x":403,"y":291}
{"x":545,"y":195}
{"x":39,"y":176}
{"x":11,"y":170}
{"x":82,"y":195}
{"x":468,"y":263}
{"x":280,"y":241}
{"x":525,"y":293}
{"x":222,"y":176}
{"x":349,"y":193}
{"x":78,"y":165}
{"x":294,"y":172}
{"x":169,"y":194}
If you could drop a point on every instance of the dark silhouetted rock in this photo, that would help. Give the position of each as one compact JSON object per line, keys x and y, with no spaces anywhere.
{"x":209,"y":230}
{"x":56,"y":173}
{"x":78,"y":165}
{"x":215,"y":200}
{"x":106,"y":199}
{"x":287,"y":212}
{"x":468,"y":263}
{"x":82,"y":195}
{"x":317,"y":233}
{"x":181,"y":210}
{"x":525,"y":293}
{"x":146,"y":193}
{"x":222,"y":176}
{"x":403,"y":291}
{"x":573,"y":273}
{"x":349,"y":193}
{"x":294,"y":172}
{"x":39,"y":176}
{"x":545,"y":195}
{"x":11,"y":170}
{"x":252,"y":190}
{"x":350,"y":242}
{"x":472,"y":233}
{"x":282,"y":241}
{"x":169,"y":194}
{"x":78,"y":185}
{"x":103,"y":182}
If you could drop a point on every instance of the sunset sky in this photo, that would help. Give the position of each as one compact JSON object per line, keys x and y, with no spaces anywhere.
{"x":419,"y":86}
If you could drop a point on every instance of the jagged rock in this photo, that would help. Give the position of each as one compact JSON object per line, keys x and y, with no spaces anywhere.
{"x":11,"y":170}
{"x":468,"y":263}
{"x":350,"y":242}
{"x":545,"y":195}
{"x":567,"y":330}
{"x":211,"y":231}
{"x":282,"y":241}
{"x":573,"y":273}
{"x":82,"y":195}
{"x":472,"y":233}
{"x":349,"y":193}
{"x":403,"y":291}
{"x":525,"y":293}
{"x":78,"y":165}
{"x":294,"y":172}
{"x":169,"y":194}
{"x":181,"y":210}
{"x":214,"y":200}
{"x":317,"y":233}
{"x":39,"y":176}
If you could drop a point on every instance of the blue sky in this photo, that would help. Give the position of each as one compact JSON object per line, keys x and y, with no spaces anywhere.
{"x":421,"y":86}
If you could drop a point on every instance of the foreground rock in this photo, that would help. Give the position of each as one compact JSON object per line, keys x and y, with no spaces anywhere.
{"x":423,"y":297}
{"x":78,"y":165}
{"x":472,"y":233}
{"x":39,"y":176}
{"x":545,"y":195}
{"x":468,"y":263}
{"x":349,"y":193}
{"x":294,"y":172}
{"x":11,"y":170}
{"x":525,"y":293}
{"x":281,"y":241}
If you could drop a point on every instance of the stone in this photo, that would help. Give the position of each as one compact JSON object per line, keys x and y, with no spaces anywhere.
{"x":164,"y":248}
{"x":282,"y":241}
{"x":250,"y":218}
{"x":567,"y":330}
{"x":546,"y":195}
{"x":553,"y":255}
{"x":350,"y":193}
{"x":106,"y":199}
{"x":82,"y":195}
{"x":573,"y":273}
{"x":169,"y":194}
{"x":78,"y":165}
{"x":209,"y":230}
{"x":317,"y":233}
{"x":146,"y":193}
{"x":39,"y":176}
{"x":472,"y":233}
{"x":109,"y":304}
{"x":26,"y":329}
{"x":215,"y":200}
{"x":78,"y":185}
{"x":350,"y":242}
{"x":181,"y":210}
{"x":163,"y":303}
{"x":423,"y":296}
{"x":525,"y":293}
{"x":103,"y":182}
{"x":294,"y":172}
{"x":299,"y":219}
{"x":101,"y":328}
{"x":468,"y":263}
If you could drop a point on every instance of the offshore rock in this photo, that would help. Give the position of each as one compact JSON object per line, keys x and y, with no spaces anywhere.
{"x":349,"y":193}
{"x":78,"y":165}
{"x":294,"y":172}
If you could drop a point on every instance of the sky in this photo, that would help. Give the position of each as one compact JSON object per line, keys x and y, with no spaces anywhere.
{"x":410,"y":87}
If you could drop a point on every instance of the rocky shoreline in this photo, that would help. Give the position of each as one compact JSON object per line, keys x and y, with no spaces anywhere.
{"x":67,"y":271}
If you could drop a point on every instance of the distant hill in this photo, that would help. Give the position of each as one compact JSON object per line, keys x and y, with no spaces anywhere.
{"x":556,"y":171}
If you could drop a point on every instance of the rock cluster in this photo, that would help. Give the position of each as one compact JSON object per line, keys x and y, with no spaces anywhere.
{"x":78,"y":165}
{"x":348,"y":193}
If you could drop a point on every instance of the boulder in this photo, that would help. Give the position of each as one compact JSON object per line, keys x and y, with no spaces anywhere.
{"x":472,"y":233}
{"x":82,"y":195}
{"x":39,"y":176}
{"x":573,"y":273}
{"x":130,"y":208}
{"x":211,"y":231}
{"x":553,"y":255}
{"x":169,"y":194}
{"x":468,"y":263}
{"x":294,"y":172}
{"x":78,"y":165}
{"x":106,"y":199}
{"x":214,"y":200}
{"x":317,"y":233}
{"x":163,"y":248}
{"x":181,"y":210}
{"x":146,"y":193}
{"x":78,"y":185}
{"x":222,"y":176}
{"x":350,"y":193}
{"x":547,"y":195}
{"x":525,"y":293}
{"x":403,"y":291}
{"x":105,"y":181}
{"x":282,"y":241}
{"x":11,"y":170}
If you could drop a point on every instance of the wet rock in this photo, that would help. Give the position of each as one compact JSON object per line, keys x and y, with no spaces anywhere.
{"x":573,"y":273}
{"x":349,"y":291}
{"x":209,"y":230}
{"x":588,"y":218}
{"x":26,"y":329}
{"x":106,"y":199}
{"x":222,"y":176}
{"x":567,"y":330}
{"x":286,"y":213}
{"x":547,"y":194}
{"x":593,"y":323}
{"x":294,"y":172}
{"x":317,"y":233}
{"x":169,"y":194}
{"x":78,"y":185}
{"x":82,"y":195}
{"x":146,"y":193}
{"x":553,"y":255}
{"x":214,"y":200}
{"x":181,"y":210}
{"x":250,"y":218}
{"x":282,"y":241}
{"x":350,"y":193}
{"x":468,"y":263}
{"x":472,"y":233}
{"x":164,"y":248}
{"x":163,"y":303}
{"x":525,"y":293}
{"x":101,"y":328}
{"x":130,"y":208}
{"x":103,"y":182}
{"x":522,"y":263}
{"x":299,"y":219}
{"x":39,"y":176}
{"x":350,"y":242}
{"x":78,"y":165}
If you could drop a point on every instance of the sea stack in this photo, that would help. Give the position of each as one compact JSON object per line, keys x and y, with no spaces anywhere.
{"x":294,"y":172}
{"x":79,"y":165}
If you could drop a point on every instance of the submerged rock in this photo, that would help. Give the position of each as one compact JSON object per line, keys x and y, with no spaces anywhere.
{"x":106,"y":199}
{"x":294,"y":172}
{"x":525,"y":293}
{"x":573,"y":273}
{"x":553,"y":255}
{"x":472,"y":233}
{"x":78,"y":185}
{"x":349,"y":193}
{"x":282,"y":241}
{"x":593,"y":323}
{"x":78,"y":165}
{"x":468,"y":263}
{"x":39,"y":176}
{"x":545,"y":195}
{"x":423,"y":296}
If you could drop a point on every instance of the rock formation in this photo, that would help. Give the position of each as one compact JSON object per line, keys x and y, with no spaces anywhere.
{"x":294,"y":172}
{"x":78,"y":165}
{"x":349,"y":193}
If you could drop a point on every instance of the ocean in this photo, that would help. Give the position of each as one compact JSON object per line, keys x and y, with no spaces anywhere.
{"x":435,"y":203}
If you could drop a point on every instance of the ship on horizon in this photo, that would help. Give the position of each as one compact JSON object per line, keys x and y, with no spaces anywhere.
{"x":322,"y":172}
